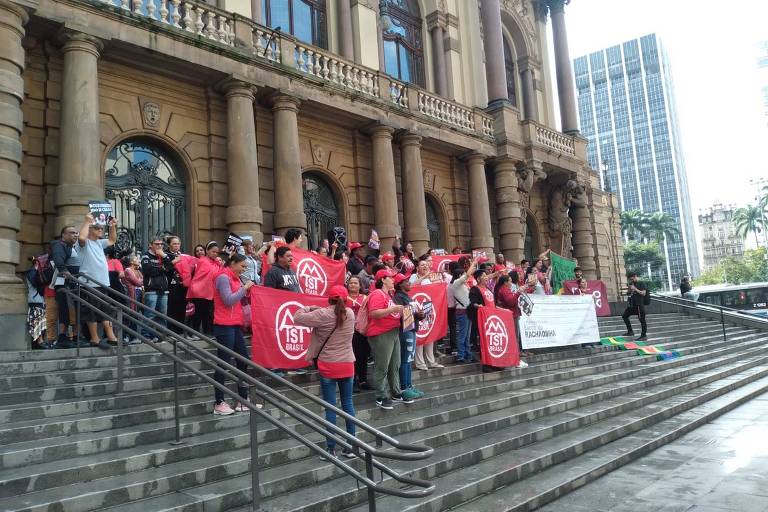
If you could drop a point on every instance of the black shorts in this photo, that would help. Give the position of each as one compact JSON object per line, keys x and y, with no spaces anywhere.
{"x":99,"y":308}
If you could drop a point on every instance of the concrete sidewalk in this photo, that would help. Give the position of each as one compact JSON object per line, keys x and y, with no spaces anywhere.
{"x":720,"y":467}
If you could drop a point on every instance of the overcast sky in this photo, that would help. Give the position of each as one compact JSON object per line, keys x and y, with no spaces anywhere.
{"x":713,"y":50}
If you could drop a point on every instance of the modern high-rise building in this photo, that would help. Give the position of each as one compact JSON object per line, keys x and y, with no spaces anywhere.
{"x":762,"y":63}
{"x":627,"y":111}
{"x":719,"y":238}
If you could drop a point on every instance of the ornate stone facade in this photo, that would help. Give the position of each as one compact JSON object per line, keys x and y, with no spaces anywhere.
{"x":249,"y":118}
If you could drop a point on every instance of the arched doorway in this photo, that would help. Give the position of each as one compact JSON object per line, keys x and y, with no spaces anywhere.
{"x":434,"y":226}
{"x":145,"y":186}
{"x":320,"y":208}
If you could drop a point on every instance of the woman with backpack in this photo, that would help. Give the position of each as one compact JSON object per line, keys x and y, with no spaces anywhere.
{"x":362,"y":349}
{"x":331,"y":349}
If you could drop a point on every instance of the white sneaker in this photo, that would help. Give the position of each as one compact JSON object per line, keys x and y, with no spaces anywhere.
{"x":522,"y":364}
{"x":223,"y":409}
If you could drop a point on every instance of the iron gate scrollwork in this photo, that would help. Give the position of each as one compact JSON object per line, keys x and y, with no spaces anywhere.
{"x":319,"y":208}
{"x":147,"y":194}
{"x":433,"y":225}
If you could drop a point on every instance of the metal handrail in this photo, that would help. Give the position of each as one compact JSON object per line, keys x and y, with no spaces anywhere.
{"x":286,"y":405}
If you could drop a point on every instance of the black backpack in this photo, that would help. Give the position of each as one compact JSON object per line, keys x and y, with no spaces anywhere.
{"x":647,"y":298}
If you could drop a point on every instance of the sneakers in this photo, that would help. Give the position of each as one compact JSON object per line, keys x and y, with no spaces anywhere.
{"x":346,"y":452}
{"x":222,"y":409}
{"x":628,"y":333}
{"x":437,"y":365}
{"x":422,"y":368}
{"x":409,"y":394}
{"x":241,"y":408}
{"x":419,"y":393}
{"x":102,"y":344}
{"x":385,"y":403}
{"x":522,"y":364}
{"x":279,"y":372}
{"x":403,"y":397}
{"x":44,"y":345}
{"x":298,"y":371}
{"x":329,"y":452}
{"x":642,"y":338}
{"x":135,"y":341}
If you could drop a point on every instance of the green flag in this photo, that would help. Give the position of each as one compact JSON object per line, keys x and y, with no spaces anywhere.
{"x":562,"y":270}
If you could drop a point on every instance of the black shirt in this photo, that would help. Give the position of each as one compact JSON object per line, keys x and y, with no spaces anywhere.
{"x":636,"y":299}
{"x":282,"y":279}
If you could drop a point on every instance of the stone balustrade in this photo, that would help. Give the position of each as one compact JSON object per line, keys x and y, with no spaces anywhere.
{"x":266,"y":44}
{"x":555,"y":140}
{"x":335,"y":70}
{"x":486,"y":122}
{"x":195,"y":17}
{"x":398,"y":92}
{"x":446,"y":111}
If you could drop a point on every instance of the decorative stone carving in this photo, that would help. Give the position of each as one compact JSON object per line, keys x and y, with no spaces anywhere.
{"x":429,"y":180}
{"x":577,"y":193}
{"x":524,"y":14}
{"x":528,"y":175}
{"x":150,"y":112}
{"x":318,"y":153}
{"x":559,"y":206}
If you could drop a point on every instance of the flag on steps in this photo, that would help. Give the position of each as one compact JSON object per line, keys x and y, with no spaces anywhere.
{"x":612,"y":341}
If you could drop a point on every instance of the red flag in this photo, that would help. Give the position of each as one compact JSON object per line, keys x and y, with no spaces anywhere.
{"x":435,"y":324}
{"x":595,"y":288}
{"x":316,"y":273}
{"x":277,"y":342}
{"x":440,"y":263}
{"x":498,"y":341}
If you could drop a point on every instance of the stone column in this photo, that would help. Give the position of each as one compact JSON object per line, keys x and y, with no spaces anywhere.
{"x":414,"y":201}
{"x":80,"y":170}
{"x":289,"y":196}
{"x":437,"y":23}
{"x":508,"y":210}
{"x":13,"y":299}
{"x":244,"y":215}
{"x":346,"y":42}
{"x":565,"y":90}
{"x":583,"y":241}
{"x":384,"y":187}
{"x":494,"y":51}
{"x":256,"y":11}
{"x":479,"y":209}
{"x":530,"y":106}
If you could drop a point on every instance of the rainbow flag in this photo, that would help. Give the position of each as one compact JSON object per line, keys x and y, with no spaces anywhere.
{"x":612,"y":341}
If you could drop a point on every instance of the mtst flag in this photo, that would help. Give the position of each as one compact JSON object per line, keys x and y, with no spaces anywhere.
{"x":277,"y":341}
{"x":596,"y":289}
{"x":317,"y":274}
{"x":440,"y":263}
{"x":433,"y":299}
{"x":498,"y":341}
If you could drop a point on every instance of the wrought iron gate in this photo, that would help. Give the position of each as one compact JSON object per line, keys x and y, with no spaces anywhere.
{"x":433,"y":226}
{"x":147,"y":194}
{"x":319,"y":208}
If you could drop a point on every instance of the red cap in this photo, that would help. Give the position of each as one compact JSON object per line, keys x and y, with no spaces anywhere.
{"x":355,"y":245}
{"x":399,"y":278}
{"x":338,"y":291}
{"x":482,"y":259}
{"x":381,"y":274}
{"x":387,"y":256}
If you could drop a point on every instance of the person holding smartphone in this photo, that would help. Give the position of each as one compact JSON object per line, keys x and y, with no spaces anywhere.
{"x":636,"y":306}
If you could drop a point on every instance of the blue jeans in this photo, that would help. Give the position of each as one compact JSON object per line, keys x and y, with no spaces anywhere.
{"x":407,"y":348}
{"x":155,"y":302}
{"x":462,"y":339}
{"x":231,"y":336}
{"x":328,"y":391}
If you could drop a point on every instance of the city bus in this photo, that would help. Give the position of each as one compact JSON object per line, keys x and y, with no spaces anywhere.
{"x":751,"y":298}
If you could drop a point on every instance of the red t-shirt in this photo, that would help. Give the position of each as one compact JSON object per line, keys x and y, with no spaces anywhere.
{"x":354,"y":304}
{"x":114,"y":265}
{"x":381,"y":300}
{"x":487,"y":296}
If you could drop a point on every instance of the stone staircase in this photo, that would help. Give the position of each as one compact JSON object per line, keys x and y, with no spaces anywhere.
{"x":503,"y":441}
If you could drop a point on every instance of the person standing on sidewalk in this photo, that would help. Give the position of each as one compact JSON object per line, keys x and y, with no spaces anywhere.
{"x":331,"y":346}
{"x":383,"y":334}
{"x":636,"y":306}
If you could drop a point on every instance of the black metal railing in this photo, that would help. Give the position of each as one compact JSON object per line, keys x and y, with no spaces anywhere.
{"x":116,"y":307}
{"x":724,"y":311}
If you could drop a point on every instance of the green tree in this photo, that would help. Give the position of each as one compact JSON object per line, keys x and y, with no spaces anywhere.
{"x":660,"y":225}
{"x":638,"y":257}
{"x":748,"y":219}
{"x":633,"y":224}
{"x":750,"y":268}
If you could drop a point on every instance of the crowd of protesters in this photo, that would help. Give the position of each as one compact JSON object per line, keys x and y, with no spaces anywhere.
{"x":204,"y":290}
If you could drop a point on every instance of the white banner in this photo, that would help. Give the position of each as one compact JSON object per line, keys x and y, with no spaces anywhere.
{"x":559,"y":320}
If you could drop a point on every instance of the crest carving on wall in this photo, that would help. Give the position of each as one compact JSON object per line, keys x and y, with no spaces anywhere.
{"x":429,"y":180}
{"x":150,"y":113}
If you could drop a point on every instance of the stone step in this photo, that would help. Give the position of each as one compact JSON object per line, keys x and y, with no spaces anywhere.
{"x":568,"y":476}
{"x":411,"y":421}
{"x":30,"y":432}
{"x":524,"y":466}
{"x":553,"y":438}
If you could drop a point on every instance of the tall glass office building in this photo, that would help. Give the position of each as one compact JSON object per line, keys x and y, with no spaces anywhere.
{"x":627,"y":111}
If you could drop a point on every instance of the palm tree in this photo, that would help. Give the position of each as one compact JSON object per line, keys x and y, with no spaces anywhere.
{"x":633,"y":224}
{"x":661,"y":225}
{"x":748,"y":219}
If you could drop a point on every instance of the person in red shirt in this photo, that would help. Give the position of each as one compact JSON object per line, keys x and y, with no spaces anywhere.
{"x":331,"y":346}
{"x":384,"y":336}
{"x":198,"y":274}
{"x":360,"y":345}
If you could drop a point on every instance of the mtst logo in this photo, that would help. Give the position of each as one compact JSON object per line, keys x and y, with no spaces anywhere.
{"x":496,"y":336}
{"x":292,"y":340}
{"x":426,"y":325}
{"x":312,"y":277}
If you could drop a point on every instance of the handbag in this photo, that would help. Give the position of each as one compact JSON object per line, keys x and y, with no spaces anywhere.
{"x":314,"y":359}
{"x":361,"y":319}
